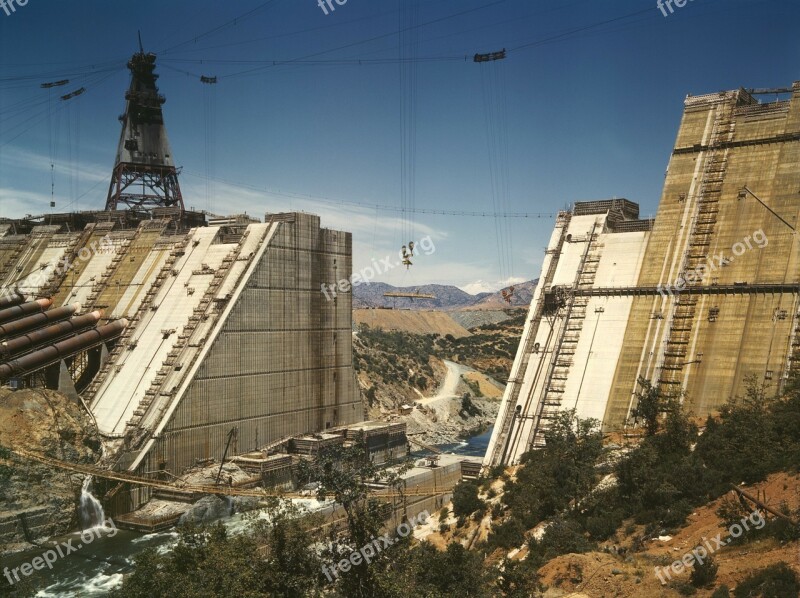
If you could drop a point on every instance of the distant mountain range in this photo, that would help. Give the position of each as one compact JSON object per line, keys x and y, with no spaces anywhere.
{"x":448,"y":297}
{"x":523,"y":293}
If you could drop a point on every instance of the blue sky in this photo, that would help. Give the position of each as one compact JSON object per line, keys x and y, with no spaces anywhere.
{"x":585,"y":106}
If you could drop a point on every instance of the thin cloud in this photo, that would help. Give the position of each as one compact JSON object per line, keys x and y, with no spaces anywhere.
{"x":17,"y":203}
{"x":492,"y":286}
{"x":363,"y":222}
{"x":22,"y":159}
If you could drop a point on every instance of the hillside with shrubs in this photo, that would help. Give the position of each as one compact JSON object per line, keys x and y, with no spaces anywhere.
{"x":582,"y":517}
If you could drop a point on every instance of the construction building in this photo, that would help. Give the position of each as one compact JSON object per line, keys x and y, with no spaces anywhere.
{"x":699,"y":301}
{"x":178,"y":329}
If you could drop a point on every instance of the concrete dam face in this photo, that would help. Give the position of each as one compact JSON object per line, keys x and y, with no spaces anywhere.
{"x":178,"y":330}
{"x":697,"y":301}
{"x":208,"y":328}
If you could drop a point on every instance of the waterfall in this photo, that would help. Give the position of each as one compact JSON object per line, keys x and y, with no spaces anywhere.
{"x":92,"y":514}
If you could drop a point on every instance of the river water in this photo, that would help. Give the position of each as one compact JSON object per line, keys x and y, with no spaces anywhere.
{"x":473,"y":447}
{"x":99,"y":564}
{"x":95,"y":567}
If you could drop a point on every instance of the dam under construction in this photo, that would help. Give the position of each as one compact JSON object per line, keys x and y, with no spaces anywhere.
{"x":182,"y":333}
{"x":448,"y":299}
{"x":188,"y":336}
{"x":199,"y":345}
{"x":700,"y":302}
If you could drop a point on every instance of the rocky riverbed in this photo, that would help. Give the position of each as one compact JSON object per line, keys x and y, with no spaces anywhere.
{"x":46,"y":422}
{"x":442,"y":417}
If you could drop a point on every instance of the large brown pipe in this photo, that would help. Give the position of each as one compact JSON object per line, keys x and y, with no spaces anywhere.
{"x":26,"y":309}
{"x":51,"y":333}
{"x":8,"y":298}
{"x":38,"y":320}
{"x":39,"y":359}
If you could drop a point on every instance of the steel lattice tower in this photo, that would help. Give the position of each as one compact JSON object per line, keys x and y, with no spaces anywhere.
{"x":144,"y":175}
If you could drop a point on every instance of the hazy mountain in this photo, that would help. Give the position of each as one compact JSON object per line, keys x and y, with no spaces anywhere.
{"x":448,"y":297}
{"x":523,"y":293}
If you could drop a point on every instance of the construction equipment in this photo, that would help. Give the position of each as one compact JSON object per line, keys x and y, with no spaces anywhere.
{"x":231,"y":435}
{"x":768,"y":91}
{"x":145,"y":177}
{"x":54,"y":84}
{"x":493,"y":83}
{"x":73,"y":94}
{"x":127,"y":478}
{"x":48,"y":355}
{"x":489,"y":57}
{"x":411,"y":296}
{"x":408,"y":252}
{"x":743,"y":195}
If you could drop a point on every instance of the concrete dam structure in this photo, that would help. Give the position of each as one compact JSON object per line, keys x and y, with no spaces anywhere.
{"x":226,"y":327}
{"x":183,"y":333}
{"x":699,"y":301}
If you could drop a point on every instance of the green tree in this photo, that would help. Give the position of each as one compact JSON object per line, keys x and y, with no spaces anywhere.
{"x":775,"y":581}
{"x":454,"y":572}
{"x":466,"y":500}
{"x":426,"y":571}
{"x":370,"y":394}
{"x":518,"y":579}
{"x":562,"y":536}
{"x":509,"y":534}
{"x":345,"y":473}
{"x":746,"y":443}
{"x":553,"y":477}
{"x":651,"y":405}
{"x":468,"y":408}
{"x":5,"y":471}
{"x":210,"y":562}
{"x":704,"y":573}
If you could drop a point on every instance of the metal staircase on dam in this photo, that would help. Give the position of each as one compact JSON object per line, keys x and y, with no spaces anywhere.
{"x":5,"y":269}
{"x":564,"y":351}
{"x":61,"y":271}
{"x":793,"y":359}
{"x":676,"y":347}
{"x":102,"y":283}
{"x":133,"y":430}
{"x":501,"y":445}
{"x":123,"y":343}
